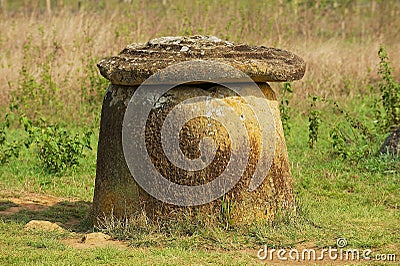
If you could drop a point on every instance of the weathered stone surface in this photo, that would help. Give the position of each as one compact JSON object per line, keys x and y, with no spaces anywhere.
{"x":43,"y":225}
{"x":118,"y":195}
{"x":391,"y":146}
{"x":138,"y":62}
{"x":116,"y":192}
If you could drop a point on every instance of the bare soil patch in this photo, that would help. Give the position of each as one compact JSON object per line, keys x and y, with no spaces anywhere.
{"x":98,"y":242}
{"x":12,"y":204}
{"x":28,"y":201}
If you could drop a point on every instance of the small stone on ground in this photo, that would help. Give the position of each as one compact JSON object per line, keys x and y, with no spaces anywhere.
{"x":43,"y":225}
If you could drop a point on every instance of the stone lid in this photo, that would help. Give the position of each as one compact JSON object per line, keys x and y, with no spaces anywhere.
{"x":137,"y":62}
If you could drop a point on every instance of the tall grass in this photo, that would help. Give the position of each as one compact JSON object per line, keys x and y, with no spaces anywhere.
{"x":47,"y":68}
{"x":338,"y":39}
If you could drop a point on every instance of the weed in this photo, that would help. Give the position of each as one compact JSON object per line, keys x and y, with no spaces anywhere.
{"x":57,"y":148}
{"x":351,"y":140}
{"x":36,"y":95}
{"x":227,"y":210}
{"x":389,"y":117}
{"x":339,"y":142}
{"x":284,"y":107}
{"x":92,"y":84}
{"x":354,"y":139}
{"x":350,"y":137}
{"x":342,"y":197}
{"x":8,"y":149}
{"x":314,"y":120}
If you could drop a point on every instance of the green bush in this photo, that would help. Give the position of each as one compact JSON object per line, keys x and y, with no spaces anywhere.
{"x":57,"y":148}
{"x":354,"y":138}
{"x":8,"y":149}
{"x":388,"y":106}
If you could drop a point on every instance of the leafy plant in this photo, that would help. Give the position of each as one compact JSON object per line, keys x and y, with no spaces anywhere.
{"x":92,"y":84}
{"x":56,"y":147}
{"x":314,"y":120}
{"x":36,"y":94}
{"x":346,"y":143}
{"x":351,"y":139}
{"x":354,"y":139}
{"x":8,"y":149}
{"x":284,"y":107}
{"x":389,"y":117}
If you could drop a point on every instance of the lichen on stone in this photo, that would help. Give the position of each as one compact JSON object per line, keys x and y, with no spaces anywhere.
{"x":137,"y":62}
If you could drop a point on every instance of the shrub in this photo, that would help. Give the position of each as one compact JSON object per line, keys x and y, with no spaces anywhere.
{"x":388,"y":105}
{"x":8,"y":149}
{"x":57,"y":148}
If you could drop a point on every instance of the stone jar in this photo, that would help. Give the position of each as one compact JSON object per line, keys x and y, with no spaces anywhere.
{"x":121,"y":195}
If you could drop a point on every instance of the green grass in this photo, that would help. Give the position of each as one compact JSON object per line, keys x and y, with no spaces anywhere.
{"x":337,"y":198}
{"x":25,"y":173}
{"x":357,"y":198}
{"x":20,"y":247}
{"x":358,"y":201}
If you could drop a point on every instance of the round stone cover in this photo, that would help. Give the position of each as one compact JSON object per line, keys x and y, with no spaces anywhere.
{"x":137,"y":62}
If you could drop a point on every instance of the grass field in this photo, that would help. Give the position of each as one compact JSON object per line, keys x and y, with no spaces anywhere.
{"x":49,"y":83}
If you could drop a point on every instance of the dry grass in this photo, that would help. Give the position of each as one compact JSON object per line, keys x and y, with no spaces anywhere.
{"x":338,"y":41}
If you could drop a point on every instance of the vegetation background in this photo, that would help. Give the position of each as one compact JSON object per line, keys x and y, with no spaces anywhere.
{"x":51,"y":95}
